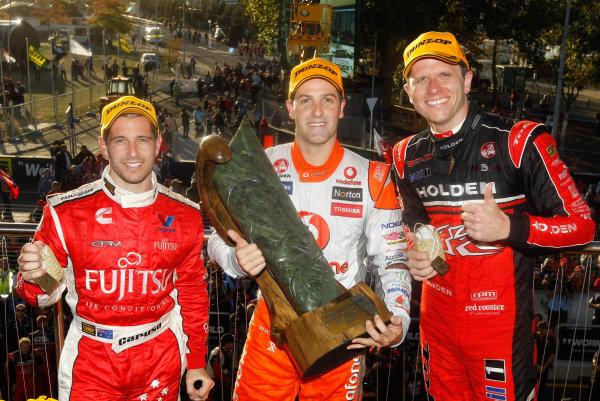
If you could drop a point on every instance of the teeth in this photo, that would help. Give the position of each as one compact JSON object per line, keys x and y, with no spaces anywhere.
{"x":436,"y":102}
{"x":133,"y":164}
{"x":316,"y":124}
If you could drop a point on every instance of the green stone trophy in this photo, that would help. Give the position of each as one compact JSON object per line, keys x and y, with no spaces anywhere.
{"x":312,"y":316}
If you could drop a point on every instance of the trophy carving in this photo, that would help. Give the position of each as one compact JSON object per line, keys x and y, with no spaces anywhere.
{"x":312,"y":316}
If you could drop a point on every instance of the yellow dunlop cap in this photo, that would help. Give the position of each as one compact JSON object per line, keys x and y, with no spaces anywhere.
{"x":315,"y":68}
{"x":126,"y":104}
{"x":439,"y":45}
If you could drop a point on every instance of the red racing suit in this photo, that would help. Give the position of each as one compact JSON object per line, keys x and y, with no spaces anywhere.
{"x":476,"y":321}
{"x":350,"y":206}
{"x":134,"y":272}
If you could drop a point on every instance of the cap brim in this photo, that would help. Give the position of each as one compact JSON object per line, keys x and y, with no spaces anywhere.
{"x":136,"y":110}
{"x":331,"y":81}
{"x":446,"y":58}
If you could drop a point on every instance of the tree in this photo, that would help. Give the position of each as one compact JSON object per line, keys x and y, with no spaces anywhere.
{"x":507,"y":20}
{"x":582,"y":62}
{"x":109,"y":15}
{"x":264,"y":14}
{"x":394,"y":28}
{"x":50,"y":12}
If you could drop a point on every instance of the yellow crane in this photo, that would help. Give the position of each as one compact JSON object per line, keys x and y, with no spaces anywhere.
{"x":310,"y":26}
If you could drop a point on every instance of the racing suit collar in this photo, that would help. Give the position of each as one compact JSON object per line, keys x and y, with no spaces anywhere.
{"x":309,"y":173}
{"x":126,"y":198}
{"x":447,"y":146}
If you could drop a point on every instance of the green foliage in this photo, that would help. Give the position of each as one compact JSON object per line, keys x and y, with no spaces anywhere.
{"x":582,"y":62}
{"x":264,"y":15}
{"x":110,"y":16}
{"x":50,"y":12}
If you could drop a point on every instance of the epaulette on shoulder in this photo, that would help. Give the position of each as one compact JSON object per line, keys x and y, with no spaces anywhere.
{"x":517,"y":139}
{"x":400,"y":155}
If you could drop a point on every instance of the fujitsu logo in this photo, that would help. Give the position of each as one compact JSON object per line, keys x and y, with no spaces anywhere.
{"x":128,"y":279}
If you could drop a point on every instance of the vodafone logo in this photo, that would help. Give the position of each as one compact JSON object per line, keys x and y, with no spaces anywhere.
{"x":350,"y":172}
{"x":317,"y":226}
{"x":488,"y":150}
{"x":281,"y":166}
{"x":104,"y":215}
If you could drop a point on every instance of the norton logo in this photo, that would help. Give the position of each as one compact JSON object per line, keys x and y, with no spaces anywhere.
{"x":488,"y":150}
{"x":350,"y":172}
{"x":317,"y":226}
{"x":104,"y":215}
{"x":166,"y":223}
{"x":490,"y":295}
{"x":281,"y":166}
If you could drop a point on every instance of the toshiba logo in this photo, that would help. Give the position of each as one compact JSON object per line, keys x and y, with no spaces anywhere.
{"x":490,"y":295}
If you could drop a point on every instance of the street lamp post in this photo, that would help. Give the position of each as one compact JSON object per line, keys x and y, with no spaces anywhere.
{"x":209,"y":34}
{"x":156,"y":43}
{"x":183,"y":28}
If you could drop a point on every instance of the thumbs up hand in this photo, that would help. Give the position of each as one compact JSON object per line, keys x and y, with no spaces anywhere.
{"x":485,"y":221}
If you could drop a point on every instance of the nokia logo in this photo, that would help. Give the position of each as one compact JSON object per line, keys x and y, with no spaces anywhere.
{"x":393,"y":224}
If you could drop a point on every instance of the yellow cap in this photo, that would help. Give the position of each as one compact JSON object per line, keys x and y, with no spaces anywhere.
{"x":126,"y":104}
{"x":315,"y":68}
{"x":439,"y":45}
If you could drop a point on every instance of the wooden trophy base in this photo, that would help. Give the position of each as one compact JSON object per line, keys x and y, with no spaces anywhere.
{"x":317,"y":340}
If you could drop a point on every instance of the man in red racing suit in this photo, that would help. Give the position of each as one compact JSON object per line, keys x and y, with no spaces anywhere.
{"x":350,"y":206}
{"x":476,"y":320}
{"x":133,"y":268}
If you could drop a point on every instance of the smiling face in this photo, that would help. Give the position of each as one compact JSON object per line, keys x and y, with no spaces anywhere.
{"x":316,"y":108}
{"x":131,"y":149}
{"x":438,"y":91}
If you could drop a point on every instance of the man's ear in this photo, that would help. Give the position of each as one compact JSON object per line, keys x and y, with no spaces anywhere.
{"x":290,"y":108}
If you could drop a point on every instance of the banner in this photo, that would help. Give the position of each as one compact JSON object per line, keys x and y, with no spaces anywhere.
{"x":383,"y":148}
{"x":37,"y":58}
{"x":76,"y":48}
{"x":10,"y":183}
{"x":7,"y":58}
{"x":124,"y":45}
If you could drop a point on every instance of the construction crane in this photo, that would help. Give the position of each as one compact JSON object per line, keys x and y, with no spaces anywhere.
{"x":310,"y":26}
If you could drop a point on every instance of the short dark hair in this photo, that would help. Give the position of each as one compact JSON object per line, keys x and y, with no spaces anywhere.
{"x":227,"y":338}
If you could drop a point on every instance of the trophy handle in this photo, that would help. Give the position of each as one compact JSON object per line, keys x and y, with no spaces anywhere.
{"x":215,"y":149}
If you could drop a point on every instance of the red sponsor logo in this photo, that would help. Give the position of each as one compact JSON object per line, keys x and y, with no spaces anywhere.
{"x":281,"y":166}
{"x":317,"y":226}
{"x":488,"y":150}
{"x":489,"y":295}
{"x":350,"y":172}
{"x":346,"y":210}
{"x":412,"y":163}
